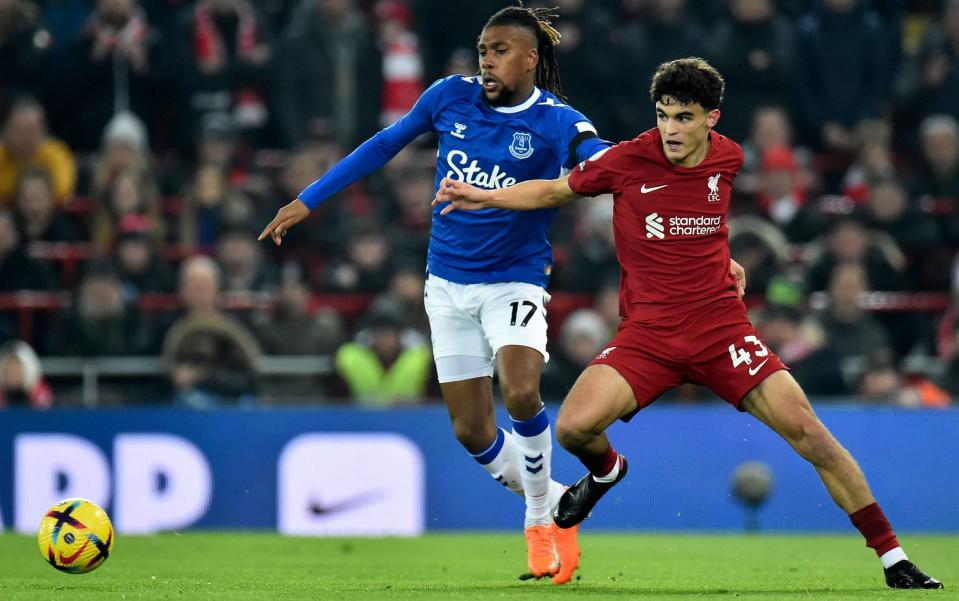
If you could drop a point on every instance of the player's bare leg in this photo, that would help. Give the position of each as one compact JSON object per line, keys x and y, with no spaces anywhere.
{"x":598,"y":398}
{"x":519,"y":370}
{"x":780,"y":403}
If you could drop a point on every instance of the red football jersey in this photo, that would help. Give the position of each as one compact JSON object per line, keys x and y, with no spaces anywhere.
{"x":669,"y":223}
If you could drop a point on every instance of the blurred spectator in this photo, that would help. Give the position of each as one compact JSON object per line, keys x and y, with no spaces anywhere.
{"x":224,"y":57}
{"x":760,"y":248}
{"x":782,"y":195}
{"x":410,"y":225}
{"x":404,"y":295}
{"x":666,"y":31}
{"x":853,"y":334}
{"x":366,"y":264}
{"x":138,"y":265}
{"x":241,"y":263}
{"x":41,"y":218}
{"x":124,"y":148}
{"x":130,"y":201}
{"x":120,"y":56}
{"x":841,"y":77}
{"x":291,"y":328}
{"x":582,"y":337}
{"x":594,"y":260}
{"x":590,"y":66}
{"x":754,"y":51}
{"x":26,"y":144}
{"x":204,"y":212}
{"x":385,"y":364}
{"x":606,"y":303}
{"x":937,"y":178}
{"x":929,"y":82}
{"x":803,"y":347}
{"x":874,"y":159}
{"x":771,"y":126}
{"x":402,"y":65}
{"x":24,"y":51}
{"x":883,"y":383}
{"x":102,"y":322}
{"x":329,"y":222}
{"x":210,"y":357}
{"x":331,"y":76}
{"x":21,"y":378}
{"x":17,"y":270}
{"x":888,"y":209}
{"x":850,"y":241}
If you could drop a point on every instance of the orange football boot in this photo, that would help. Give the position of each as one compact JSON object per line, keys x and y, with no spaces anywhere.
{"x":541,"y":552}
{"x":567,"y":546}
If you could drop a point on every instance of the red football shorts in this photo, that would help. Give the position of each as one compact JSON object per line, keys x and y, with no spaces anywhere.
{"x":716,"y":347}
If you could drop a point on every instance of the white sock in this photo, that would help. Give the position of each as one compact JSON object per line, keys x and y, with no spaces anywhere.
{"x":499,"y":459}
{"x":892,"y":557}
{"x":533,"y":443}
{"x":613,"y":473}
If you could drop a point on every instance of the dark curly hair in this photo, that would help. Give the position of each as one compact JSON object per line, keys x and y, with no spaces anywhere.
{"x":688,"y":80}
{"x":537,"y":21}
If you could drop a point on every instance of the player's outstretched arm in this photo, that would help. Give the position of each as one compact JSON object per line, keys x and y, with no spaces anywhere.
{"x":525,"y":196}
{"x":286,"y":217}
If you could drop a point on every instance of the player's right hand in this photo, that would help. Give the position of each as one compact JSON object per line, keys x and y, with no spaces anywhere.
{"x":459,"y":195}
{"x":286,"y":218}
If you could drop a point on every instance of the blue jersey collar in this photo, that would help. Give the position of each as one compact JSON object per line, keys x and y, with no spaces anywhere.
{"x":520,"y":107}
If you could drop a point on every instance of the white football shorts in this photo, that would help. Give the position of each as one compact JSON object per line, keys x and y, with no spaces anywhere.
{"x":471,"y":322}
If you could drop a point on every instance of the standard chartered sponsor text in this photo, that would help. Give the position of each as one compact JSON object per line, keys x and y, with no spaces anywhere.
{"x":693,"y":226}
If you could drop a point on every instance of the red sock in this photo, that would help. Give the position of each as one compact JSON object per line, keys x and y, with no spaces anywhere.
{"x":875,"y":528}
{"x":601,"y":465}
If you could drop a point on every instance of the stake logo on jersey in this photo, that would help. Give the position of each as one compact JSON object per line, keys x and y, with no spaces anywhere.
{"x":469,"y":171}
{"x":522,"y":146}
{"x":713,"y":184}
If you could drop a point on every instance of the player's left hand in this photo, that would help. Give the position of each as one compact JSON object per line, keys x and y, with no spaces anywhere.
{"x":740,"y":274}
{"x":459,"y":195}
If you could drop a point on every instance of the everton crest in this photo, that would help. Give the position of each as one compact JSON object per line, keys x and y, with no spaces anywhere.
{"x":522,"y":145}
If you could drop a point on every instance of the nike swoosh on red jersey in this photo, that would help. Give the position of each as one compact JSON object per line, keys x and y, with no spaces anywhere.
{"x":646,"y":190}
{"x":755,"y":370}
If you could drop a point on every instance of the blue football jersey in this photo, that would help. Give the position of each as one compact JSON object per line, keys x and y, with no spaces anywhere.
{"x":496,"y":147}
{"x":489,"y":147}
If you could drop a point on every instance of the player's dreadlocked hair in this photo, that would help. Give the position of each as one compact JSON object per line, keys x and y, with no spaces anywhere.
{"x":688,"y":80}
{"x":538,"y":22}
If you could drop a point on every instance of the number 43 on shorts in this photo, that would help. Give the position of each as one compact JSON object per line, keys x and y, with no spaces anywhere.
{"x":740,"y":356}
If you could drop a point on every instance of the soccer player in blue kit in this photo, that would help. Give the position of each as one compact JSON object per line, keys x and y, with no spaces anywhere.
{"x":487,"y":270}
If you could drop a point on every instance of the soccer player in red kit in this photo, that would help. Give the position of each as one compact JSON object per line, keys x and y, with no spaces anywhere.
{"x":683,"y":320}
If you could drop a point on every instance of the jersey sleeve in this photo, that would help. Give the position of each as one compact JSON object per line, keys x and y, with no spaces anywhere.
{"x":596,"y":175}
{"x":378,"y":150}
{"x":582,"y":141}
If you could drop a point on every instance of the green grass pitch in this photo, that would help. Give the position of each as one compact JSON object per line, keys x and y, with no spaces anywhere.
{"x":232,"y":566}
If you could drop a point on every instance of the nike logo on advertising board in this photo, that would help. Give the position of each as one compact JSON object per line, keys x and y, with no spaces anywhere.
{"x":755,"y":370}
{"x":646,"y":190}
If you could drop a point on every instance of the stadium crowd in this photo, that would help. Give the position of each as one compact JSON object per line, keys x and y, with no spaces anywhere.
{"x":145,"y":143}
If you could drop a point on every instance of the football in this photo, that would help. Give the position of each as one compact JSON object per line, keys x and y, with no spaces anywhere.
{"x":76,"y":536}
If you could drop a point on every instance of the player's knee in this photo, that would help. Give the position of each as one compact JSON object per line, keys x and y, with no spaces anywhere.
{"x":521,"y":398}
{"x":570,"y":434}
{"x":474,"y":436}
